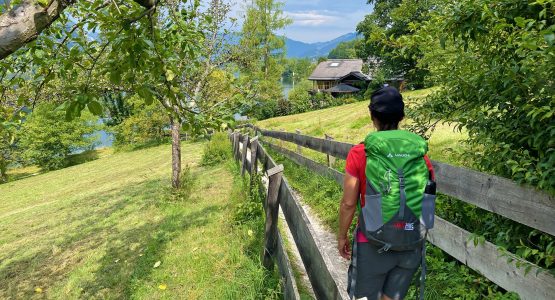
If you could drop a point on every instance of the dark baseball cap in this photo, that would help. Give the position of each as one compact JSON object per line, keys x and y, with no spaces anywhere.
{"x":387,"y":100}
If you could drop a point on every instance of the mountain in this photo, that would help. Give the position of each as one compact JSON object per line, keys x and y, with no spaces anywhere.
{"x":296,"y":49}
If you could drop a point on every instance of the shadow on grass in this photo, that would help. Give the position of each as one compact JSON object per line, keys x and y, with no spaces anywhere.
{"x":129,"y":254}
{"x":83,"y":157}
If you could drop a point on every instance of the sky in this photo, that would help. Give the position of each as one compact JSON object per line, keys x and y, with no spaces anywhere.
{"x":319,"y":20}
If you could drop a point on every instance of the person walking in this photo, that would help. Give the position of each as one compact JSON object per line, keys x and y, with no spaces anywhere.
{"x":390,"y":179}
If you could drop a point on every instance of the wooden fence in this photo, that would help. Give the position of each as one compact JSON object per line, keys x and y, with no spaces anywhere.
{"x":280,"y":194}
{"x":524,"y":205}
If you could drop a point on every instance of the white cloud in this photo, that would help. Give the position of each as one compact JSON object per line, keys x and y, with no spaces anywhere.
{"x":311,"y":18}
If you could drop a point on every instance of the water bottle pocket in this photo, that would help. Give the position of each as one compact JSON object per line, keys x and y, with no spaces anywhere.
{"x":428,"y":211}
{"x":372,"y":212}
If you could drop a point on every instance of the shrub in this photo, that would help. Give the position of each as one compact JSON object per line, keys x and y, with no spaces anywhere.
{"x":147,"y":126}
{"x":217,"y":150}
{"x":47,"y":139}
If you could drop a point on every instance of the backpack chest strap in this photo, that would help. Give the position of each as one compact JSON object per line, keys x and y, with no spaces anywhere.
{"x":403,"y":195}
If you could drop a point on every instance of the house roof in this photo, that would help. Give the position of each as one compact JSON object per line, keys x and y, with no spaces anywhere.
{"x":342,"y":88}
{"x":358,"y":75}
{"x":334,"y":69}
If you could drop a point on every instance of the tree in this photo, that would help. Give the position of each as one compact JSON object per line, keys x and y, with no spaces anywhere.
{"x":25,"y":21}
{"x":145,"y":125}
{"x":157,"y":53}
{"x":345,"y":50}
{"x":495,"y":64}
{"x":262,"y":52}
{"x":297,"y":69}
{"x":47,"y":139}
{"x":389,"y":20}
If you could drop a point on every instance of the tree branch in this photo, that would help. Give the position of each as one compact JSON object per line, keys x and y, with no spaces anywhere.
{"x":26,"y":21}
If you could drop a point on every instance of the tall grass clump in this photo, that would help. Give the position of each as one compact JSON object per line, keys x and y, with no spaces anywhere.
{"x":217,"y":150}
{"x":248,"y":221}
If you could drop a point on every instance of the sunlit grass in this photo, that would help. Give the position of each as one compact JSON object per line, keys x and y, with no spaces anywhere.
{"x":98,"y":229}
{"x":351,"y":123}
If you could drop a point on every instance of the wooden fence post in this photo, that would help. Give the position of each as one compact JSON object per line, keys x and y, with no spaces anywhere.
{"x":272,"y":207}
{"x":254,"y":147}
{"x":244,"y":154}
{"x":235,"y":144}
{"x":331,"y":159}
{"x":299,"y":148}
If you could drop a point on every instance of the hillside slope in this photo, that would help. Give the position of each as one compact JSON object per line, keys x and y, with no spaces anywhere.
{"x":351,"y":123}
{"x":297,"y":49}
{"x":111,"y":229}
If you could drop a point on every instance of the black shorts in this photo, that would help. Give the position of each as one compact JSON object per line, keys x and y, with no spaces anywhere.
{"x":388,"y":273}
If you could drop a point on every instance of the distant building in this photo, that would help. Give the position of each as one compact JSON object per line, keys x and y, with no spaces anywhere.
{"x":343,"y":76}
{"x":339,"y":76}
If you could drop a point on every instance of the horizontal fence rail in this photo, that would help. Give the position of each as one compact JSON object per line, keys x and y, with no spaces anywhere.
{"x":522,"y":204}
{"x":528,"y":280}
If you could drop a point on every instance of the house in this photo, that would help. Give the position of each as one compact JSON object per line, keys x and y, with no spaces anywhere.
{"x":339,"y":76}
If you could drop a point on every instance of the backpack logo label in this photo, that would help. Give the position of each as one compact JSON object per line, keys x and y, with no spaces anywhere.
{"x":398,"y":155}
{"x":409,"y":226}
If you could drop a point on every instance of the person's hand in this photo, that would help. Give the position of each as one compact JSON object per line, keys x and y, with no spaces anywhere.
{"x":344,"y":247}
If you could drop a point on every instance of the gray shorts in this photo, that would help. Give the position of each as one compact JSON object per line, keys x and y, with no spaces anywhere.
{"x":388,"y":273}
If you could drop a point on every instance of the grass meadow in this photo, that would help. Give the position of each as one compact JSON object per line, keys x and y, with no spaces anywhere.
{"x":351,"y":123}
{"x":112,"y":229}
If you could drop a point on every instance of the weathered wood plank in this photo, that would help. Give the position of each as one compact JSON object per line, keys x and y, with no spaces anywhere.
{"x":235,"y":144}
{"x":314,"y":260}
{"x":290,"y":290}
{"x":272,"y":204}
{"x":265,"y":160}
{"x":485,"y":258}
{"x":299,"y":148}
{"x":522,"y":204}
{"x":499,"y":195}
{"x":309,"y":163}
{"x":331,"y":159}
{"x":244,"y":154}
{"x":337,"y":149}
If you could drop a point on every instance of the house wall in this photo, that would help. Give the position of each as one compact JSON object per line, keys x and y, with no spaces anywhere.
{"x":324,"y":84}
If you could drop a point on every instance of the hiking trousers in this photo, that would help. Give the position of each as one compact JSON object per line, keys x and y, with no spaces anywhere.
{"x":388,"y":273}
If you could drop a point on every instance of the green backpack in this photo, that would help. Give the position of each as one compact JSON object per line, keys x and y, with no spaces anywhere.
{"x":397,"y":211}
{"x":400,"y":197}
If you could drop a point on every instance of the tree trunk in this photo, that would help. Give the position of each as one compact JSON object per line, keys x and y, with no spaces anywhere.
{"x":176,"y":153}
{"x":3,"y":173}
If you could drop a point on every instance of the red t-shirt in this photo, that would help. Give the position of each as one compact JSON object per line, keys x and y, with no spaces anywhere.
{"x":356,"y":167}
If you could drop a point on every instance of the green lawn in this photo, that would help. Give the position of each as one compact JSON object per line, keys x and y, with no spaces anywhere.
{"x":351,"y":123}
{"x":99,"y":229}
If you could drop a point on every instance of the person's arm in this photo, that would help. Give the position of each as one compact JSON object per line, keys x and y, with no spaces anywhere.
{"x":347,"y":210}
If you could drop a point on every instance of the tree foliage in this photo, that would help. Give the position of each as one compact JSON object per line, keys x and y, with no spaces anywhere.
{"x":390,"y":20}
{"x":346,"y":50}
{"x":495,"y":63}
{"x":146,"y":125}
{"x":47,"y":139}
{"x":262,"y":54}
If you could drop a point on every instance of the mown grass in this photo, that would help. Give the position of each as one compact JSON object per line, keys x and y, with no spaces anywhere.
{"x":97,"y":230}
{"x":351,"y":123}
{"x":74,"y":159}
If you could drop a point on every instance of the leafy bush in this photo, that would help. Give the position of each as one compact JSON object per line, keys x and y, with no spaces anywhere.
{"x":495,"y":63}
{"x":148,"y":125}
{"x":217,"y":150}
{"x":47,"y":139}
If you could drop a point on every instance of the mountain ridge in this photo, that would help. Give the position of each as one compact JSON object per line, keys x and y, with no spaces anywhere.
{"x":298,"y":49}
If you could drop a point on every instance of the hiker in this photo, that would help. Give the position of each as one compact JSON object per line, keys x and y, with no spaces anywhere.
{"x":389,"y":180}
